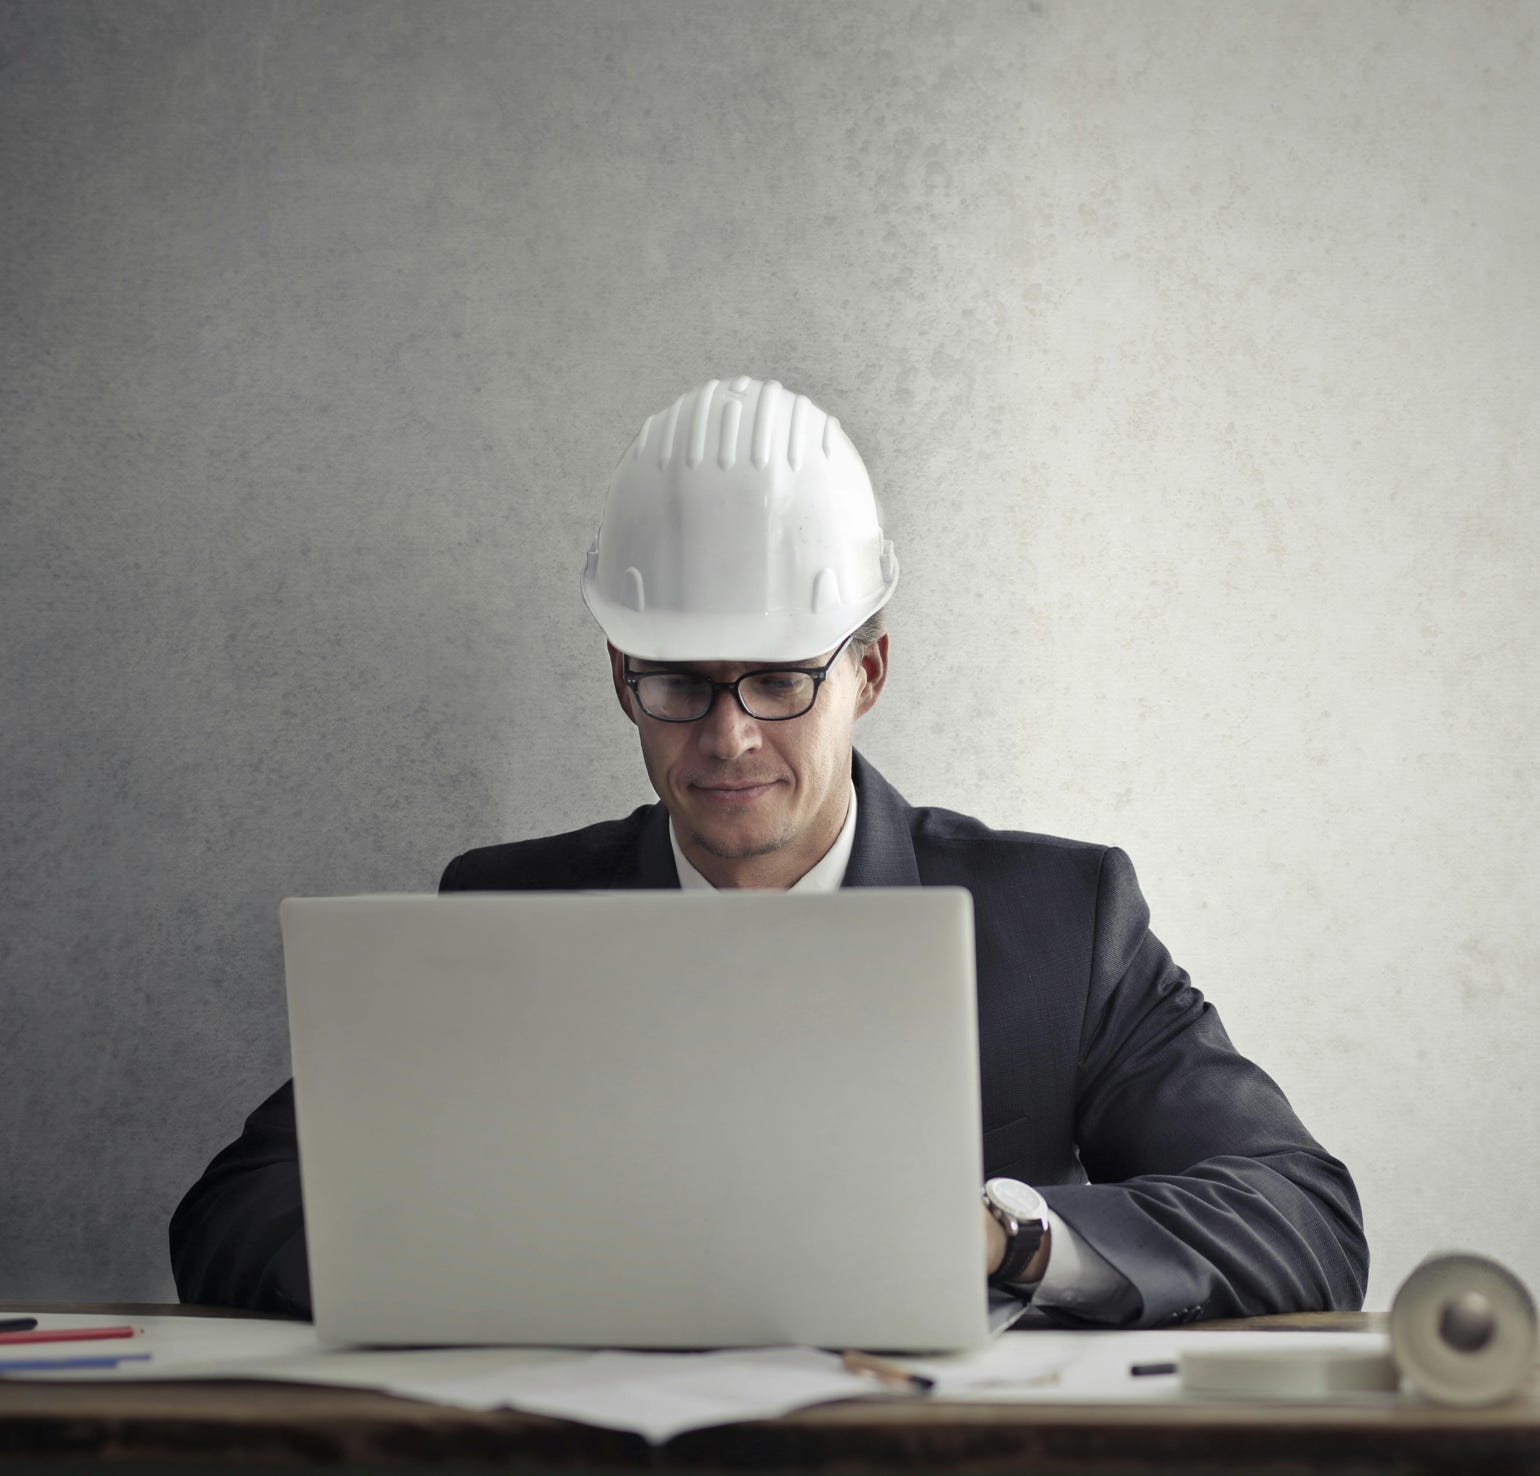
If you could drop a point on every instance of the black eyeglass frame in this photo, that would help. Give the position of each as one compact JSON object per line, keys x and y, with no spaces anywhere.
{"x":818,"y":674}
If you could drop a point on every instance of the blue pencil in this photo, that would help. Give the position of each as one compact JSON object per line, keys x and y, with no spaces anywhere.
{"x":24,"y":1365}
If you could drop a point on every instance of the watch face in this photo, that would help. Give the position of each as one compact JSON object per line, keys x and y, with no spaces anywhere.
{"x":1020,"y":1201}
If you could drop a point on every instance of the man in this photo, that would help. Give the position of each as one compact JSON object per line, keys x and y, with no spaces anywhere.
{"x":1140,"y":1171}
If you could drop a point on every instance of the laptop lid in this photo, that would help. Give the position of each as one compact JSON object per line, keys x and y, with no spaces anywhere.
{"x":645,"y":1119}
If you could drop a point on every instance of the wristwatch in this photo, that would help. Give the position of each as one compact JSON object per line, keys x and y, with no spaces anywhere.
{"x":1023,"y":1215}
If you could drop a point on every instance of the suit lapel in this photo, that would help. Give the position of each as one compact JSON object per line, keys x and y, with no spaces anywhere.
{"x":649,"y":864}
{"x":883,"y":854}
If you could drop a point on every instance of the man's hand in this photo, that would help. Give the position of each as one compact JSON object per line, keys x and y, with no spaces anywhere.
{"x":994,"y":1250}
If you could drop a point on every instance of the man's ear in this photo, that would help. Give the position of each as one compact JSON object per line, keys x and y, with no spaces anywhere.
{"x":618,"y":673}
{"x":873,"y":668}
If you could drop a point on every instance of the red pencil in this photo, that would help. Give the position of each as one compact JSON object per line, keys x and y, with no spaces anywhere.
{"x":68,"y":1334}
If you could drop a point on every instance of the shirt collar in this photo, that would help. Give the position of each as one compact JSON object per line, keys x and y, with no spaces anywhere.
{"x":826,"y":875}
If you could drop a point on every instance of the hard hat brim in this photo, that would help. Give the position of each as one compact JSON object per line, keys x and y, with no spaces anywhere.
{"x":662,"y":635}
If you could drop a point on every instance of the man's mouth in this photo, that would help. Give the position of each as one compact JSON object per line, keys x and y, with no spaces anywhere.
{"x":733,"y":792}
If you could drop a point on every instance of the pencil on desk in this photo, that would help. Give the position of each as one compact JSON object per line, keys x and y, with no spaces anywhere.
{"x":38,"y":1365}
{"x":888,"y":1373}
{"x":67,"y":1335}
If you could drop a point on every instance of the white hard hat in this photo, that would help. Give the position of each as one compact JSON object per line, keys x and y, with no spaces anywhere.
{"x":740,"y":525}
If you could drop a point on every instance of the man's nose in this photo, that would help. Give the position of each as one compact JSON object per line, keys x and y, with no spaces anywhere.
{"x":727,"y":730}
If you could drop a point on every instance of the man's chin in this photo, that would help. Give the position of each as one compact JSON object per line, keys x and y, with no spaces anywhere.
{"x":736,"y":837}
{"x":736,"y":844}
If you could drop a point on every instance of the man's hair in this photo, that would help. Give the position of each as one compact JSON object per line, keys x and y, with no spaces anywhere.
{"x":867,"y":634}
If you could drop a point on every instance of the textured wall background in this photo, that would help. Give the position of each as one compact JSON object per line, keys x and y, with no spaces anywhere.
{"x":1193,"y":347}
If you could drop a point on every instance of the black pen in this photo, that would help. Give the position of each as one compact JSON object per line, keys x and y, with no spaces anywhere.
{"x":1140,"y":1370}
{"x":18,"y":1324}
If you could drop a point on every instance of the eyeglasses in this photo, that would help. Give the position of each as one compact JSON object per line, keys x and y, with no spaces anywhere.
{"x":771,"y":694}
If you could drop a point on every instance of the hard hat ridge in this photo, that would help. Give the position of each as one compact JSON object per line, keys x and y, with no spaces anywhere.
{"x":771,"y":426}
{"x":740,"y":525}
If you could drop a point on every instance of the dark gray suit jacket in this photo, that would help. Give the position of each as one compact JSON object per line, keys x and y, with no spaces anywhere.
{"x":1107,"y":1081}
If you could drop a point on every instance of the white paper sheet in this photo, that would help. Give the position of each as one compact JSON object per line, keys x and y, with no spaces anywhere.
{"x":659,"y":1395}
{"x":656,"y":1395}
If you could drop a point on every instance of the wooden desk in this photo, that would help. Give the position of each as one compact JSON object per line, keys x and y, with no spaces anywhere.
{"x":257,"y":1428}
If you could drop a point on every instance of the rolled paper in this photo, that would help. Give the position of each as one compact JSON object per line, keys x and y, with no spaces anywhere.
{"x":1463,"y":1330}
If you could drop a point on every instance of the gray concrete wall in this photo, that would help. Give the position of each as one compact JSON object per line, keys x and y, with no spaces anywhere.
{"x":1192,"y":347}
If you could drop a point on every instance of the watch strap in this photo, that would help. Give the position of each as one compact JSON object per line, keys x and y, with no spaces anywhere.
{"x":1023,"y":1236}
{"x":1019,"y":1250}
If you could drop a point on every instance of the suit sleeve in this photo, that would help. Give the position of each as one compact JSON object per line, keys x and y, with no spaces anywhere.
{"x":238,"y":1236}
{"x":1206,"y":1192}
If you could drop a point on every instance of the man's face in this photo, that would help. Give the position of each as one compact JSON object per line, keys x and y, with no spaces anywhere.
{"x":754,"y":803}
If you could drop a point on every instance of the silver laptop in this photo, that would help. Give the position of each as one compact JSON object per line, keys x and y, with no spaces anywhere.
{"x":640,"y":1119}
